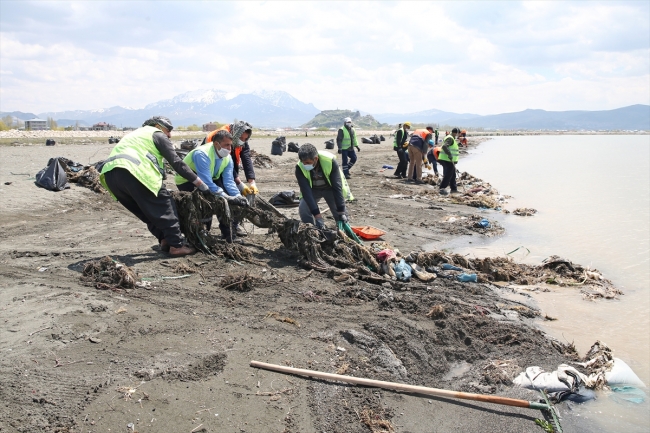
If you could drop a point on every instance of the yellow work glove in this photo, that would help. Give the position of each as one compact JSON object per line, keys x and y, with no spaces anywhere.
{"x":253,"y":188}
{"x":247,"y":190}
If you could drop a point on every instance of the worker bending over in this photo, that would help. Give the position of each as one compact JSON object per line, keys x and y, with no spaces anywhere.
{"x":418,"y":145}
{"x":448,"y":158}
{"x":213,"y":163}
{"x":134,"y":173}
{"x":319,"y":176}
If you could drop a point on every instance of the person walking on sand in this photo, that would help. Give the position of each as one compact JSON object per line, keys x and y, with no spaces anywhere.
{"x":133,"y":174}
{"x":346,"y":141}
{"x":320,"y":177}
{"x":417,"y":148}
{"x":241,"y":132}
{"x":213,"y":163}
{"x":400,"y":145}
{"x":448,"y":158}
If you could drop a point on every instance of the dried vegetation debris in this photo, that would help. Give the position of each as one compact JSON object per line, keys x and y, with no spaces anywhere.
{"x":260,"y":160}
{"x":524,"y":211}
{"x":109,"y":274}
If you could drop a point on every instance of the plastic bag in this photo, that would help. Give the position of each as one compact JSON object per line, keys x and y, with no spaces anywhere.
{"x":448,"y":267}
{"x":53,"y":177}
{"x":402,"y":271}
{"x":622,"y":374}
{"x":467,"y":278}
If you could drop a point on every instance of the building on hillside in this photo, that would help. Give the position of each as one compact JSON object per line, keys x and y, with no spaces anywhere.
{"x":211,"y":126}
{"x":36,"y":125}
{"x":103,"y":126}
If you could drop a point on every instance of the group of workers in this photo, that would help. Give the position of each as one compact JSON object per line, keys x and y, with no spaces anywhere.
{"x":411,"y":151}
{"x":134,"y":174}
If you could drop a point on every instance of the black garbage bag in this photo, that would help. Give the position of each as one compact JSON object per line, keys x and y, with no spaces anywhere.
{"x":276,"y":148}
{"x":285,"y":199}
{"x":375,"y":139}
{"x":329,"y":144}
{"x":50,"y":142}
{"x":366,"y":140}
{"x":382,"y":138}
{"x":53,"y":176}
{"x":189,"y":144}
{"x":113,"y":140}
{"x":292,"y":147}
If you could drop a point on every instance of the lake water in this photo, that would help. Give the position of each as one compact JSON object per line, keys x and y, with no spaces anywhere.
{"x":592,"y":194}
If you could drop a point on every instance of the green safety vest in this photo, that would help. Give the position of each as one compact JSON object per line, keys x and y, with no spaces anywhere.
{"x":208,"y":149}
{"x":453,"y":149}
{"x":137,"y":153}
{"x":325,"y":160}
{"x":347,"y":142}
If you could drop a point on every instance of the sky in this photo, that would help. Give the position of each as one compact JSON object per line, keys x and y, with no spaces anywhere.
{"x":379,"y":57}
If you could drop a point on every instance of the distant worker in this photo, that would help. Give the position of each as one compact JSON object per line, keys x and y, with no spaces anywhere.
{"x":241,"y":132}
{"x":417,"y":148}
{"x":463,"y":138}
{"x":400,"y":145}
{"x":431,"y":158}
{"x":448,"y":158}
{"x":133,"y":174}
{"x":346,"y":141}
{"x":213,"y":163}
{"x":320,"y":177}
{"x":436,"y":132}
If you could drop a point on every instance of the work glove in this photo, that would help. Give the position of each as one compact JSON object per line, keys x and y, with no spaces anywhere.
{"x":340,"y":150}
{"x":201,"y":185}
{"x":240,"y":187}
{"x":358,"y":148}
{"x":320,"y":223}
{"x":343,"y":218}
{"x":246,"y":190}
{"x":253,"y":188}
{"x":237,"y":201}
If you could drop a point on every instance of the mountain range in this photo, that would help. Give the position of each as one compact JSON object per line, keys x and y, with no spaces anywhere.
{"x":270,"y":109}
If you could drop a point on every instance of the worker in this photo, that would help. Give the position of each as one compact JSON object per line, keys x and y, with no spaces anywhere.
{"x":400,"y":145}
{"x":241,"y":132}
{"x":463,"y":138}
{"x":436,"y":133}
{"x":448,"y":158}
{"x":319,"y":176}
{"x":213,"y":163}
{"x":417,"y":147}
{"x":133,"y":174}
{"x":431,"y":158}
{"x":346,"y":141}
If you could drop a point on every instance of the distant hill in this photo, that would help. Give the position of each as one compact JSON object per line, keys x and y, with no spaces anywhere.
{"x":19,"y":115}
{"x":427,"y":116}
{"x":334,"y":119}
{"x":634,"y":117}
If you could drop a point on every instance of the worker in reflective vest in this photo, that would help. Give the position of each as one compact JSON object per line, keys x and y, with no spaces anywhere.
{"x":241,"y":132}
{"x":319,"y":176}
{"x":448,"y":158}
{"x":133,"y":174}
{"x":212,"y":162}
{"x":346,"y":141}
{"x":400,"y":145}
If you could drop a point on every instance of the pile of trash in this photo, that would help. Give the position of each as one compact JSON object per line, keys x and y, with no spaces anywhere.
{"x":60,"y":171}
{"x":109,"y":274}
{"x":375,"y":139}
{"x":474,"y":192}
{"x":260,"y":160}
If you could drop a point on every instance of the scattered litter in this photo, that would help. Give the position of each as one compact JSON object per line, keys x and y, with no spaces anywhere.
{"x":109,"y":274}
{"x":467,"y":278}
{"x":43,"y":269}
{"x":390,"y":167}
{"x":239,"y":282}
{"x":281,"y":318}
{"x":522,"y":211}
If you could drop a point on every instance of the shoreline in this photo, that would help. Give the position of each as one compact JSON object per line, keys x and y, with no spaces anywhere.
{"x":192,"y":329}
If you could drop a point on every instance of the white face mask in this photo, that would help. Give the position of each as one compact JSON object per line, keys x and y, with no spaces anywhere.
{"x":308,"y":167}
{"x":223,"y":153}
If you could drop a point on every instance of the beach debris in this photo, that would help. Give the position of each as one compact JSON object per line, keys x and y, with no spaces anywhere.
{"x":376,"y":422}
{"x":524,"y":211}
{"x":260,"y":160}
{"x":109,"y":274}
{"x":238,"y":282}
{"x":280,"y":318}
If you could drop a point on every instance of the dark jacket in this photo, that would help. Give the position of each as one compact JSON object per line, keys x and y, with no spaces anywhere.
{"x":335,"y":184}
{"x":339,"y":138}
{"x":400,"y":138}
{"x":246,"y":162}
{"x":417,"y":141}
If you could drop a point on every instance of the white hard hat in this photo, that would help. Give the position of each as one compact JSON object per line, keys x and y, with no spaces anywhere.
{"x":347,"y":119}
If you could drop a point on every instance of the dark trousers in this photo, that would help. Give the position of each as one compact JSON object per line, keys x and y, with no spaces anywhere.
{"x":433,"y":161}
{"x":157,"y":212}
{"x":403,"y":164}
{"x":349,"y":157}
{"x":449,"y":175}
{"x":227,"y":232}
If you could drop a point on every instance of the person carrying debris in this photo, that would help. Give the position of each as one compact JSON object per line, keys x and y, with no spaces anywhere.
{"x":213,"y":163}
{"x":241,"y":132}
{"x":400,"y":145}
{"x":448,"y":158}
{"x":133,"y":174}
{"x":431,"y":157}
{"x":346,"y":141}
{"x":319,"y":176}
{"x":417,"y":147}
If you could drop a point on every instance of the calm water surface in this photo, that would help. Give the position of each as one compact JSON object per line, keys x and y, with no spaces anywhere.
{"x":593,"y":197}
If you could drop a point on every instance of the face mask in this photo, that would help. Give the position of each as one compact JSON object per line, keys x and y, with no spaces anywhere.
{"x":308,"y":167}
{"x":223,"y":153}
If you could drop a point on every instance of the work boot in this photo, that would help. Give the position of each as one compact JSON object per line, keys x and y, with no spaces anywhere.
{"x":347,"y":176}
{"x":164,"y":245}
{"x":455,"y":192}
{"x":185,"y":250}
{"x":443,"y":191}
{"x":239,"y":231}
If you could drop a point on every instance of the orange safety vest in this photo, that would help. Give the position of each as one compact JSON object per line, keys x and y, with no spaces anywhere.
{"x":436,"y":151}
{"x":422,"y":133}
{"x":236,"y":150}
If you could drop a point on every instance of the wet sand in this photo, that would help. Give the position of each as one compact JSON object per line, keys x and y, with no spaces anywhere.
{"x":174,"y":356}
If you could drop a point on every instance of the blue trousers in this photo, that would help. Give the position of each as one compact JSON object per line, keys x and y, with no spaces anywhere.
{"x":349,"y":159}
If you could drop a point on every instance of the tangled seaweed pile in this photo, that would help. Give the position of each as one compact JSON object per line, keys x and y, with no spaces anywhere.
{"x":109,"y":274}
{"x":260,"y":160}
{"x":238,"y":282}
{"x":524,"y":211}
{"x":475,"y":192}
